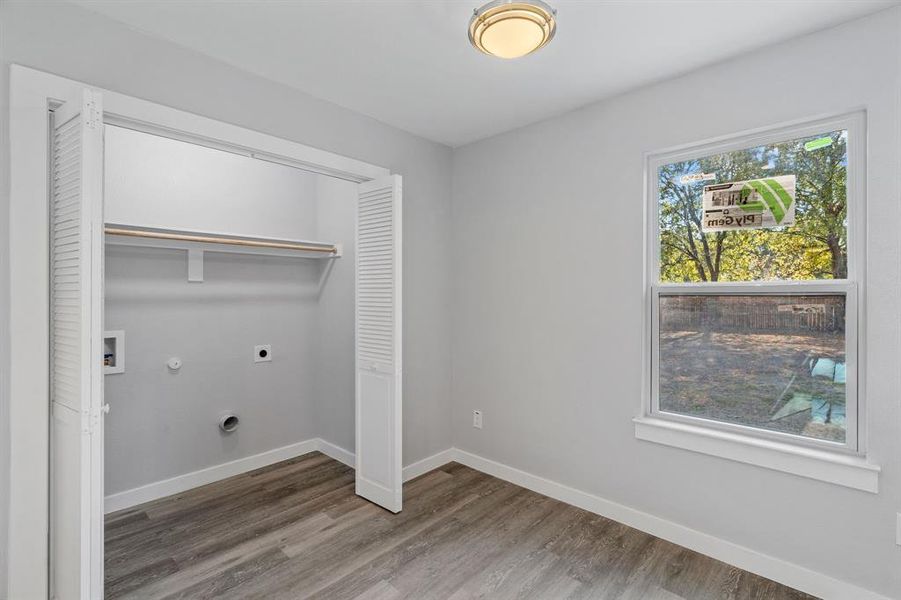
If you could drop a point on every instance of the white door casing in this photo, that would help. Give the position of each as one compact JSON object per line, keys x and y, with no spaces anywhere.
{"x":31,"y":93}
{"x":379,"y":472}
{"x":76,"y":325}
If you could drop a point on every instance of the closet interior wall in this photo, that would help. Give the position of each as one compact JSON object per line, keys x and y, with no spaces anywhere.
{"x":163,"y":423}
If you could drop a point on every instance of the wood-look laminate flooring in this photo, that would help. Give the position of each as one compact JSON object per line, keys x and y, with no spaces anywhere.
{"x":296,"y":530}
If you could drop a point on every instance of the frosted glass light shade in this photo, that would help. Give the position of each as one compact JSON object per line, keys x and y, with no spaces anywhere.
{"x":509,"y":29}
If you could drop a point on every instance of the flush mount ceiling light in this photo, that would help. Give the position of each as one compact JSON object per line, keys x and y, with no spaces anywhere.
{"x":509,"y":29}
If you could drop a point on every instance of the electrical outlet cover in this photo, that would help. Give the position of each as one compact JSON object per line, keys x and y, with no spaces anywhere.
{"x":262,"y":353}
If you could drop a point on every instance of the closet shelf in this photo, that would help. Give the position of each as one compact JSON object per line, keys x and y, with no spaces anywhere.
{"x":130,"y":235}
{"x":198,"y":242}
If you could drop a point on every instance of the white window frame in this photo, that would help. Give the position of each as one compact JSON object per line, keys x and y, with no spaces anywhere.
{"x":845,"y":461}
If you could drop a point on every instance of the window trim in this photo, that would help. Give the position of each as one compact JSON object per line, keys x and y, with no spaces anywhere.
{"x":853,"y":287}
{"x":823,"y":287}
{"x":854,"y":472}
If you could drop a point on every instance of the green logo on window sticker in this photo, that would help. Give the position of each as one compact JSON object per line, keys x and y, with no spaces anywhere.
{"x":818,"y":143}
{"x":776,"y":198}
{"x":750,"y":204}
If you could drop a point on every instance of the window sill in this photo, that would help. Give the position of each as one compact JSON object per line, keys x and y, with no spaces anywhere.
{"x":849,"y":471}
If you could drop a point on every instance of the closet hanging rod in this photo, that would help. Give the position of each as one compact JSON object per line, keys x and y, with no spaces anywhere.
{"x":214,"y":239}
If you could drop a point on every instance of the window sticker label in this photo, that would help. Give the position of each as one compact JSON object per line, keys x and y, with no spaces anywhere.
{"x":752,"y":204}
{"x":693,"y":177}
{"x":818,"y":143}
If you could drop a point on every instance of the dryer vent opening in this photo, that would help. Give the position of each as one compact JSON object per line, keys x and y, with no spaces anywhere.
{"x":228,"y":423}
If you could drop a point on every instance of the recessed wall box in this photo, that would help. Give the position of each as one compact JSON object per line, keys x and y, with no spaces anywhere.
{"x":113,"y":352}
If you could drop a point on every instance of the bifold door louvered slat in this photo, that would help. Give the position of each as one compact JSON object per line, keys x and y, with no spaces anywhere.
{"x":76,"y":378}
{"x":378,"y":342}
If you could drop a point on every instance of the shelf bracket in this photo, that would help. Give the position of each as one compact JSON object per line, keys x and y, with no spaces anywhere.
{"x":195,"y":265}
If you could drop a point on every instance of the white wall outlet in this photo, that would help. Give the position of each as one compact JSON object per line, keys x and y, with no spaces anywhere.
{"x":477,"y":419}
{"x":262,"y":353}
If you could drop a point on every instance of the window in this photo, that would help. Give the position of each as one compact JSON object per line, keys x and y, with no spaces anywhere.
{"x":754,"y":254}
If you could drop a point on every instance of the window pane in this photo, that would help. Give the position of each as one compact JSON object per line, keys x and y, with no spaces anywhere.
{"x":769,"y":236}
{"x":772,"y":362}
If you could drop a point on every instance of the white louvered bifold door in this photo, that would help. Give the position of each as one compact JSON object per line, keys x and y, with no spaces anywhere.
{"x":378,"y":343}
{"x":76,"y":376}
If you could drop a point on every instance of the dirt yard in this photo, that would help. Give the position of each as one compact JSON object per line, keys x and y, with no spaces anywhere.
{"x":757,"y":379}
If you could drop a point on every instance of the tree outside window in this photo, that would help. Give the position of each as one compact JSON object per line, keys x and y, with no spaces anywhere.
{"x":815,"y":247}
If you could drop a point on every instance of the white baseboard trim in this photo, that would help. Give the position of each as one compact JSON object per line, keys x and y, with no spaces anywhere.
{"x":411,"y":471}
{"x":428,"y":463}
{"x":792,"y":575}
{"x":180,"y":483}
{"x":337,"y":452}
{"x":786,"y":573}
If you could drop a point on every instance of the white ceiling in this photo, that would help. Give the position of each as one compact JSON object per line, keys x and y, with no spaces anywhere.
{"x":409,"y":63}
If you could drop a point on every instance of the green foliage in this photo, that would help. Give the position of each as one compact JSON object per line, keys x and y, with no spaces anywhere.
{"x":815,"y":247}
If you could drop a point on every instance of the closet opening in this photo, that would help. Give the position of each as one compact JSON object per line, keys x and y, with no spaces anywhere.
{"x":231,"y":281}
{"x":224,"y":339}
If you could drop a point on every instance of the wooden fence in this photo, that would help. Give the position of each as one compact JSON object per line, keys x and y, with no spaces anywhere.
{"x":753,"y":313}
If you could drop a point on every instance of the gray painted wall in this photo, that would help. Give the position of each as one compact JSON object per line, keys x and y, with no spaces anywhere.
{"x":547,"y":262}
{"x":66,"y":40}
{"x":163,"y":423}
{"x":154,"y":181}
{"x":335,"y":359}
